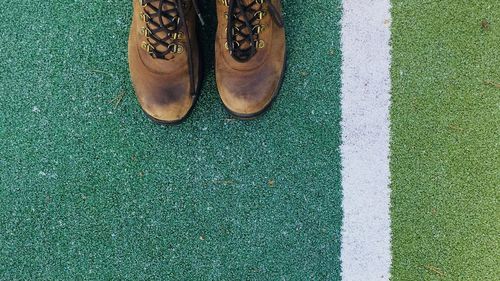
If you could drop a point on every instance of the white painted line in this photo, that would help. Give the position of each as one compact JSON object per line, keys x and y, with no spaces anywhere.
{"x":366,"y":234}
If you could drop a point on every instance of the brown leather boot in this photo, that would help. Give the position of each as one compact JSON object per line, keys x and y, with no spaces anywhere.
{"x":249,"y":54}
{"x":164,"y":58}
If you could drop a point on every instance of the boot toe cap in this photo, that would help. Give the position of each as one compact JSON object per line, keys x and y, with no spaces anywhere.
{"x":166,"y":105}
{"x":248,"y":94}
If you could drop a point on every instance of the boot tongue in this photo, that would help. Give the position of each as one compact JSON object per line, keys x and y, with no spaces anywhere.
{"x":167,"y":6}
{"x":249,"y":15}
{"x":163,"y":34}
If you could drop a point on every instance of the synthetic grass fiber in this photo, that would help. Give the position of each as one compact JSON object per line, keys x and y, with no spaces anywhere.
{"x":445,"y":164}
{"x":91,"y":188}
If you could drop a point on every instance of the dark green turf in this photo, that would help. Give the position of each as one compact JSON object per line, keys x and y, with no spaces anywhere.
{"x":90,"y":188}
{"x":445,"y":140}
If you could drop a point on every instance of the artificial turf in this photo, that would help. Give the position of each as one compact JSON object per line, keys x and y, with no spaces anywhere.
{"x":90,"y":188}
{"x":445,"y":127}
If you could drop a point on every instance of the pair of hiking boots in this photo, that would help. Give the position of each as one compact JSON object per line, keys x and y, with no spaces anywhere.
{"x":165,"y":64}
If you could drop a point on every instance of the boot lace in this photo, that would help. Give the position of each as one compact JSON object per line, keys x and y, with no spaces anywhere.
{"x":164,"y":20}
{"x":244,"y":26}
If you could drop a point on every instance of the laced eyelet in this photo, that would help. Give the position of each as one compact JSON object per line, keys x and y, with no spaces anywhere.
{"x":176,"y":48}
{"x":146,"y":46}
{"x":259,"y":14}
{"x":178,"y":20}
{"x":144,"y":17}
{"x":258,"y":28}
{"x":235,"y":43}
{"x":145,"y":32}
{"x":177,"y":35}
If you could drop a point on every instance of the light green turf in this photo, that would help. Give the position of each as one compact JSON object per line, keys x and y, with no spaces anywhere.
{"x":445,"y":140}
{"x":90,"y":188}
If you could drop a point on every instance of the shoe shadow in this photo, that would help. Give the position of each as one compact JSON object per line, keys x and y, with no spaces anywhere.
{"x":207,"y":39}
